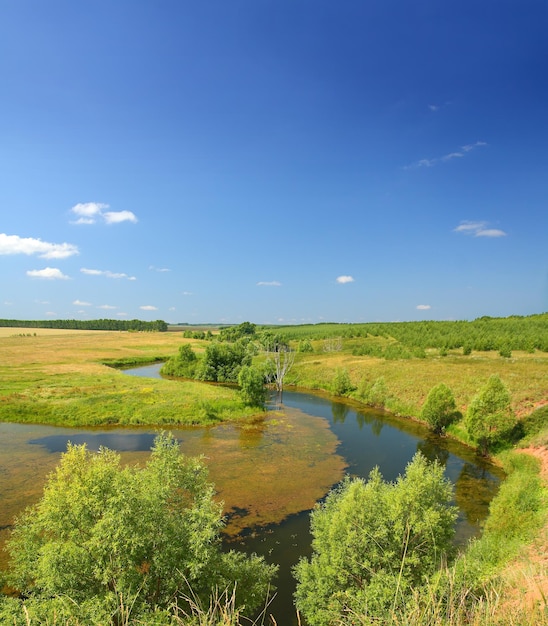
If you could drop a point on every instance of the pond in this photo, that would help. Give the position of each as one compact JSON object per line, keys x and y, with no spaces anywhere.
{"x":268,"y":472}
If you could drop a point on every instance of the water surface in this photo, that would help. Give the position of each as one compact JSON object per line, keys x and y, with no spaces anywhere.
{"x":269,"y":472}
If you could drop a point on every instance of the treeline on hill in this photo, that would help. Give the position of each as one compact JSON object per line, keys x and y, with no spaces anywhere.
{"x":101,"y":324}
{"x":483,"y":334}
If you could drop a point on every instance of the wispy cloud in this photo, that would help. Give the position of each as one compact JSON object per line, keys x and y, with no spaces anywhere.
{"x":158,"y":269}
{"x":81,"y":303}
{"x":106,"y":273}
{"x":48,"y":273}
{"x":13,"y":244}
{"x":187,"y":293}
{"x":457,"y":154}
{"x":423,"y":307}
{"x":108,"y":307}
{"x":342,"y":280}
{"x":478,"y":229}
{"x":148,"y":307}
{"x":91,"y":212}
{"x":269,"y":283}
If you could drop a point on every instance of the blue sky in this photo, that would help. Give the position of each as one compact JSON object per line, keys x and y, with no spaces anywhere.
{"x":283,"y":161}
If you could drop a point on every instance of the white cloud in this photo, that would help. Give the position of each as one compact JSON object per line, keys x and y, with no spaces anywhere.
{"x":269,"y":283}
{"x":423,"y":307}
{"x":187,"y":293}
{"x":13,"y":244}
{"x":342,"y":280}
{"x":48,"y":273}
{"x":108,"y":307}
{"x":106,"y":273}
{"x":478,"y":229}
{"x":89,"y":272}
{"x":434,"y":107}
{"x":458,"y":154}
{"x":89,"y":209}
{"x":91,"y":212}
{"x":80,"y":303}
{"x":115,"y":217}
{"x":158,"y":269}
{"x":148,"y":307}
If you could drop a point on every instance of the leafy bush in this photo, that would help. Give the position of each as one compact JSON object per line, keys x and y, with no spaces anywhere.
{"x":341,"y":384}
{"x":252,"y":388}
{"x":221,"y":362}
{"x":305,"y":346}
{"x":373,"y":542}
{"x":183,"y":364}
{"x":375,"y":394}
{"x":105,"y":534}
{"x":439,"y":409}
{"x":490,"y":419}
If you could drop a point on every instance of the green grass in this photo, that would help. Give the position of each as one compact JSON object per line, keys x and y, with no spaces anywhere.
{"x":408,"y":381}
{"x":115,"y":398}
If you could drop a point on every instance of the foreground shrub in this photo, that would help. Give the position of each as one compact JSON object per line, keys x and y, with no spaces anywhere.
{"x":373,"y":542}
{"x":106,"y":536}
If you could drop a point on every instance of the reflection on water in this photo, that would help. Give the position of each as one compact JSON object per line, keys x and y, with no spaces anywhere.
{"x":269,"y":472}
{"x":120,"y":441}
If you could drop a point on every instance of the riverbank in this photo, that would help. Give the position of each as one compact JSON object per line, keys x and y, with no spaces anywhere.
{"x":50,"y":377}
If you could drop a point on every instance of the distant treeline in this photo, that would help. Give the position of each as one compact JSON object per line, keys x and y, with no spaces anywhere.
{"x":102,"y":324}
{"x":483,"y":334}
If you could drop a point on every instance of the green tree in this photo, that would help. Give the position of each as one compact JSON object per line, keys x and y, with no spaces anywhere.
{"x":252,"y":388}
{"x":489,"y":418}
{"x":375,"y":393}
{"x":103,"y":535}
{"x":233,"y":333}
{"x":305,"y":346}
{"x":183,"y":364}
{"x":341,"y":384}
{"x":373,"y":541}
{"x":439,"y":409}
{"x":221,"y":362}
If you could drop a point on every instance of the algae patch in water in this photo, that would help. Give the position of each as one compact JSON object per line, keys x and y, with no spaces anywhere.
{"x":273,"y":468}
{"x":263,"y":471}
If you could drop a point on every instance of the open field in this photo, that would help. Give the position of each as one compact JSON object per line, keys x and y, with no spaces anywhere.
{"x":59,"y":377}
{"x":408,"y":381}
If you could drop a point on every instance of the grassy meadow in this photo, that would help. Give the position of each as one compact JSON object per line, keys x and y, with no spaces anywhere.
{"x":59,"y":377}
{"x":408,"y":381}
{"x":67,"y":377}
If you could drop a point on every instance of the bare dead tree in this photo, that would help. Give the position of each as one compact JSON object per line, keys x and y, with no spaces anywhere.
{"x":282,"y":358}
